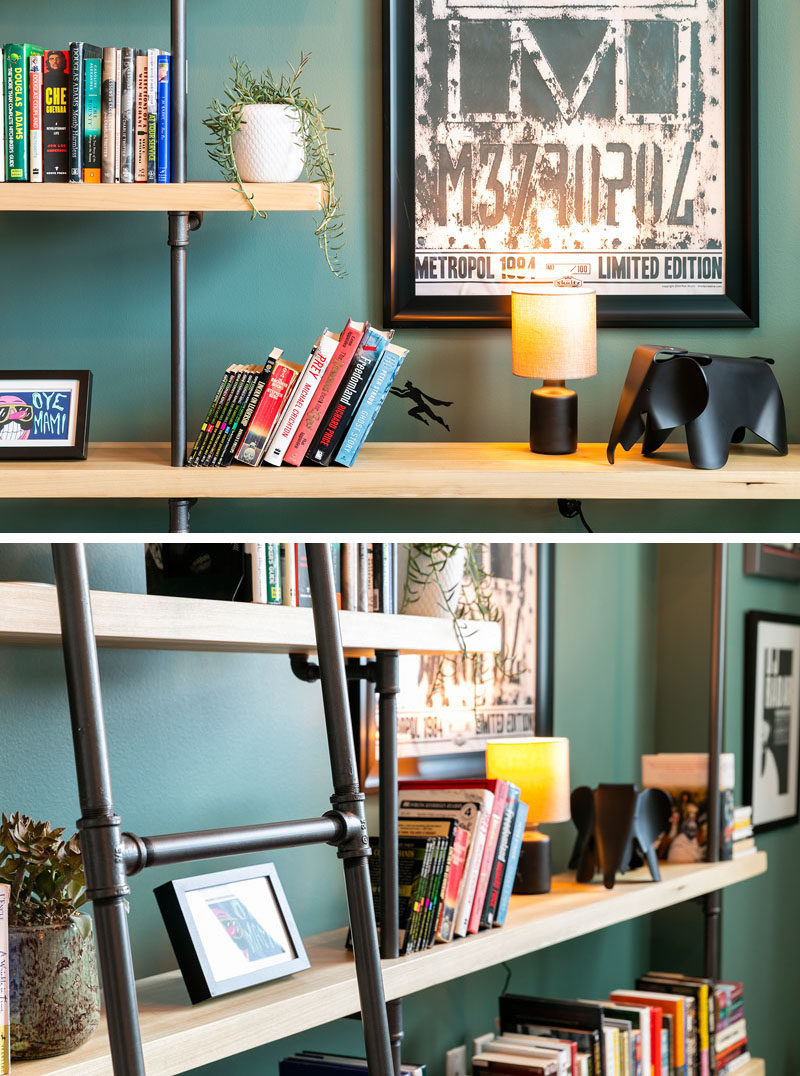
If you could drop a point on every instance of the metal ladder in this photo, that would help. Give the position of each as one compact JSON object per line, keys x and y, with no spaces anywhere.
{"x":111,"y":856}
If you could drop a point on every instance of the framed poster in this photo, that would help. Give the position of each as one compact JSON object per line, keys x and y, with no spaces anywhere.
{"x":448,"y":707}
{"x":772,"y":719}
{"x":612,"y":141}
{"x":44,"y":414}
{"x":775,"y":560}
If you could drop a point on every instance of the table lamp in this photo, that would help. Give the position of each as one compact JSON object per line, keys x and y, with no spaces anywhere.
{"x":540,"y":766}
{"x":554,"y":336}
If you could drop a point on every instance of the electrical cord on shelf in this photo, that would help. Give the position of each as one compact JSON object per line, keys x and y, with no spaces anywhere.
{"x":571,"y":509}
{"x":508,"y":977}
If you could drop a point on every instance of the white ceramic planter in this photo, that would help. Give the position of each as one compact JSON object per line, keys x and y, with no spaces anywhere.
{"x":268,"y":147}
{"x":432,"y":598}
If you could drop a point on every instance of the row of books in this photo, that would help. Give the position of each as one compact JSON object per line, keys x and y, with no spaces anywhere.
{"x":85,"y":114}
{"x":319,"y":412}
{"x":744,"y":842}
{"x":365,"y":575}
{"x":670,"y":1025}
{"x":459,"y":844}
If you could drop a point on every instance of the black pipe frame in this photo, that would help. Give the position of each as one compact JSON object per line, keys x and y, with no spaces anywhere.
{"x":545,"y":636}
{"x":719,"y":610}
{"x":110,"y":856}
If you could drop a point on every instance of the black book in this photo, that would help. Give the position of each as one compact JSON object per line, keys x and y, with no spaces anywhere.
{"x":202,"y":438}
{"x":55,"y":117}
{"x":250,"y":406}
{"x":78,"y":52}
{"x":127,"y":115}
{"x":578,"y":1021}
{"x":339,"y":415}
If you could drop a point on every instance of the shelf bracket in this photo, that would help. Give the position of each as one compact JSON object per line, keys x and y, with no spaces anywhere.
{"x":308,"y":671}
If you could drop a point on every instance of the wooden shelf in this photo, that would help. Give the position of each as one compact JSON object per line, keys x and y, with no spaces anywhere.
{"x":411,"y":470}
{"x":754,"y":1067}
{"x":177,"y":1036}
{"x":153,"y":197}
{"x":29,"y":616}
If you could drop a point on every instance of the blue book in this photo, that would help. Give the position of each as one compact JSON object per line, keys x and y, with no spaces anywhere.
{"x":163,"y":163}
{"x":371,"y":403}
{"x":514,"y":849}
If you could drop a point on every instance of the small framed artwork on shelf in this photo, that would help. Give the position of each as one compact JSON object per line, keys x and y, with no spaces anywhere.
{"x":774,"y":560}
{"x":772,"y":719}
{"x":44,"y":414}
{"x":231,"y":929}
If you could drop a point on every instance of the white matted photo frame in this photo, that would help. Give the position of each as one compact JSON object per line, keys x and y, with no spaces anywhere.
{"x":44,"y":414}
{"x":230,"y":930}
{"x":772,"y":719}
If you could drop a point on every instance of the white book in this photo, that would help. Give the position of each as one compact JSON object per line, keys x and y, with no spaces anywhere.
{"x":471,"y":807}
{"x":522,"y":1061}
{"x":35,"y":132}
{"x":289,"y":567}
{"x":539,"y":1045}
{"x":257,"y":554}
{"x":152,"y":105}
{"x":300,"y":398}
{"x":118,"y":120}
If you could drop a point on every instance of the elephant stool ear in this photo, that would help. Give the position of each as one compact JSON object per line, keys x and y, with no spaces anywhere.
{"x":653,"y":808}
{"x":628,"y":425}
{"x":677,"y":392}
{"x":615,"y":808}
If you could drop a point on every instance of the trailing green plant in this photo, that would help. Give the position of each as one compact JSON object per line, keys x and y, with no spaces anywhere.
{"x":225,"y":118}
{"x":45,"y":872}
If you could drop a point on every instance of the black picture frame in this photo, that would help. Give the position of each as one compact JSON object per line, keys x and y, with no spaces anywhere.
{"x":74,"y":447}
{"x":738,"y":307}
{"x":192,"y":946}
{"x":773,"y":561}
{"x":758,"y":635}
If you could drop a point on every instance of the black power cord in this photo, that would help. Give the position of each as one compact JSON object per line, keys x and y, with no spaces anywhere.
{"x":571,"y":509}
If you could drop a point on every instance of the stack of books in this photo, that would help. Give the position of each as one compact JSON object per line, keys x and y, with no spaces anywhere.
{"x":85,"y":114}
{"x":684,"y":776}
{"x":744,"y":842}
{"x":459,"y":844}
{"x":310,"y":1063}
{"x":670,"y":1025}
{"x":365,"y":575}
{"x":319,"y":412}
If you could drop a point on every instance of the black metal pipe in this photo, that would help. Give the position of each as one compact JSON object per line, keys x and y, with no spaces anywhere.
{"x":388,"y":687}
{"x":719,"y":602}
{"x":348,"y":797}
{"x":98,"y":826}
{"x":178,"y":243}
{"x":545,"y":624}
{"x":179,"y":513}
{"x":141,"y":852}
{"x":178,"y":91}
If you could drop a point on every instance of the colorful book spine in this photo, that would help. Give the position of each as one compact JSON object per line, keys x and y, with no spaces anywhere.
{"x":200,"y":440}
{"x":118,"y":124}
{"x":367,"y":411}
{"x":332,"y":379}
{"x":222,"y":416}
{"x":109,"y":116}
{"x":252,"y":404}
{"x":302,"y":576}
{"x":487,"y":859}
{"x":35,"y":76}
{"x":5,"y":1000}
{"x":78,"y":52}
{"x":274,"y":588}
{"x":334,"y":425}
{"x":239,"y":397}
{"x":501,"y":856}
{"x":17,"y":59}
{"x":3,"y":148}
{"x":92,"y":121}
{"x":140,"y":120}
{"x":254,"y":443}
{"x":163,"y":164}
{"x":510,"y":873}
{"x":255,"y":553}
{"x":307,"y":384}
{"x":55,"y":116}
{"x":447,"y":913}
{"x":127,"y":116}
{"x":288,"y":574}
{"x":152,"y":114}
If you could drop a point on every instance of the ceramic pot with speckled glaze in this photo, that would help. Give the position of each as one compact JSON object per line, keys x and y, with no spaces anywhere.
{"x":55,"y":994}
{"x":268,"y":147}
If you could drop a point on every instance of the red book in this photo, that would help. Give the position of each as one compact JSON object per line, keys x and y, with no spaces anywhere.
{"x":331,"y":380}
{"x":635,"y":997}
{"x":254,"y":443}
{"x":35,"y":119}
{"x":447,"y":910}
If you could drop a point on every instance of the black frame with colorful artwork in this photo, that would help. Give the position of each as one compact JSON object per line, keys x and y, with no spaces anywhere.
{"x":74,"y":448}
{"x":737,"y":307}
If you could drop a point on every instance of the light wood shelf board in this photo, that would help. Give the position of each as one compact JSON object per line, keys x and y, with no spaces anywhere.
{"x":406,"y":470}
{"x":153,"y":197}
{"x":178,"y":1036}
{"x":754,"y":1067}
{"x":29,"y":616}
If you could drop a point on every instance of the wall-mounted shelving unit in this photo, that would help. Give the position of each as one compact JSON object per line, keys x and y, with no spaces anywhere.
{"x":177,"y":1036}
{"x":411,"y":470}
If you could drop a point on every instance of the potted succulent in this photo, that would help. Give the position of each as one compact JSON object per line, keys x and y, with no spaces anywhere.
{"x":267,"y":131}
{"x":55,"y":995}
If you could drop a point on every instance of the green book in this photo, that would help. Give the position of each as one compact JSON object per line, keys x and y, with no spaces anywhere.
{"x":16,"y":81}
{"x":92,"y":121}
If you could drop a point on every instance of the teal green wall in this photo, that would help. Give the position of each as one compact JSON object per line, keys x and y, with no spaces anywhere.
{"x":254,"y":285}
{"x":203,"y":740}
{"x":760,"y":939}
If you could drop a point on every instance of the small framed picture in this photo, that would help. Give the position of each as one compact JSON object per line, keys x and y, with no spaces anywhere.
{"x":230,"y":930}
{"x":775,"y":560}
{"x":44,"y":414}
{"x":772,"y":719}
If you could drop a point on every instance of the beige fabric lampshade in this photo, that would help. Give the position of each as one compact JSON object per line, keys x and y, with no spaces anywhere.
{"x":540,"y":766}
{"x":554,"y":333}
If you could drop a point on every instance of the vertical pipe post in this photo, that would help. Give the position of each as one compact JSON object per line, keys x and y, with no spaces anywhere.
{"x":98,"y":825}
{"x":719,"y":597}
{"x":347,"y":796}
{"x":388,"y":687}
{"x":545,"y":643}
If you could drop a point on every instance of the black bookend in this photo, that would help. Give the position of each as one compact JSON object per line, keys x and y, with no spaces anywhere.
{"x":716,"y":397}
{"x":617,"y":830}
